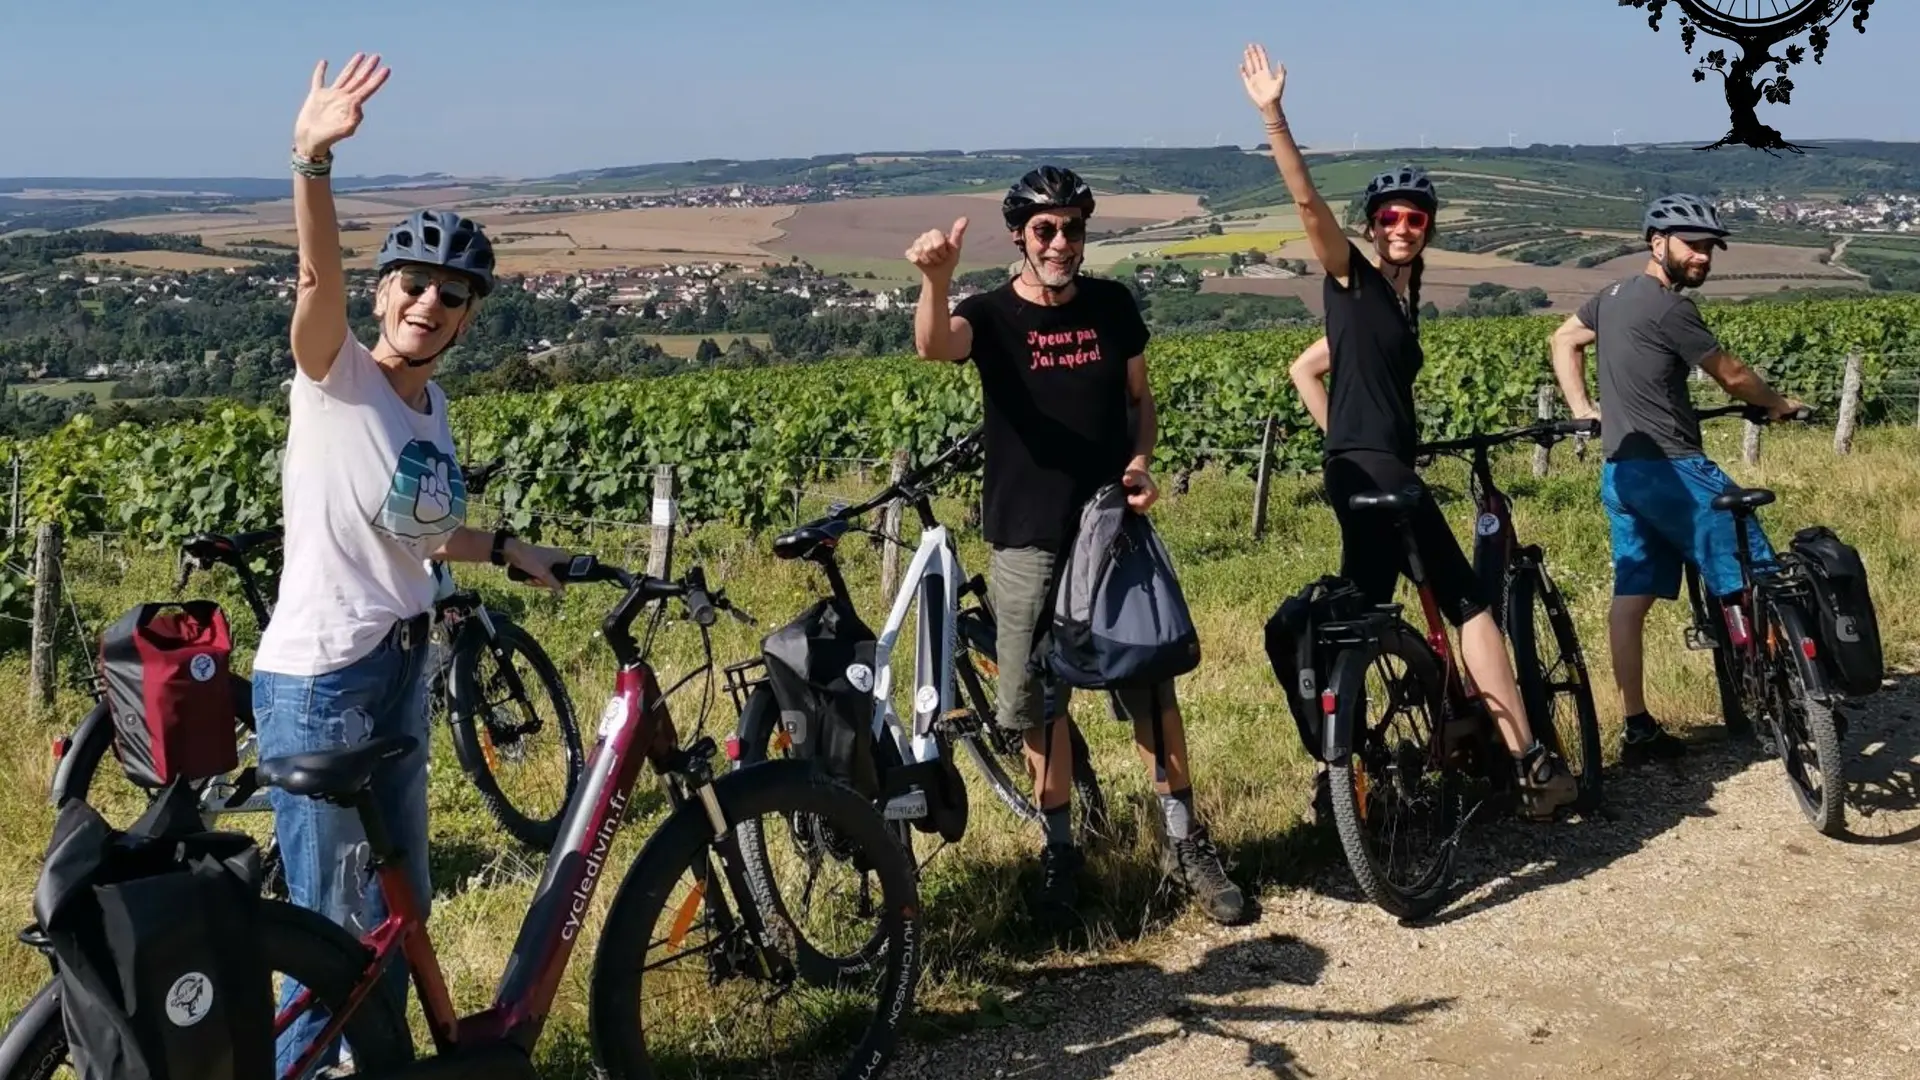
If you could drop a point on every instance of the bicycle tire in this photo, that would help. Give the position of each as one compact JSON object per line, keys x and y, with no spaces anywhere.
{"x":1001,"y":759}
{"x":619,"y":968}
{"x":1531,"y":582}
{"x":294,"y":942}
{"x":1348,"y":680}
{"x":463,"y":686}
{"x":1708,"y":620}
{"x":1828,"y":812}
{"x":757,"y":722}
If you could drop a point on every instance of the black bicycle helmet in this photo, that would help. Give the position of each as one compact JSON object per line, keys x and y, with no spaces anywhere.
{"x":440,"y":238}
{"x":1045,"y":188}
{"x":1688,"y":215}
{"x":1407,"y":182}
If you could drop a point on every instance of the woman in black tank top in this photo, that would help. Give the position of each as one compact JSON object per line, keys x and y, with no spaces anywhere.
{"x":1372,"y":348}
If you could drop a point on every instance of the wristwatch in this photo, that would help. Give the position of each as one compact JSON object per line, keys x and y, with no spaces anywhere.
{"x":498,"y":556}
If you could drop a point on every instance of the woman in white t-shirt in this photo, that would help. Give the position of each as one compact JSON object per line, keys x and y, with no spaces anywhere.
{"x":371,"y":492}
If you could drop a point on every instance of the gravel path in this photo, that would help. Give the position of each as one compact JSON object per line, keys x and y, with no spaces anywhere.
{"x":1706,"y":933}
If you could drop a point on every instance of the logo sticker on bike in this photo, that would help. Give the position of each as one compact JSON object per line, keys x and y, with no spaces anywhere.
{"x":1487,"y":525}
{"x":202,"y":667}
{"x":189,"y":999}
{"x":860,"y":677}
{"x":611,"y":716}
{"x":927,"y":700}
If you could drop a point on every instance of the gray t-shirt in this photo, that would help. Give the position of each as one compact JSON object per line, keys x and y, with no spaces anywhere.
{"x":1649,"y":339}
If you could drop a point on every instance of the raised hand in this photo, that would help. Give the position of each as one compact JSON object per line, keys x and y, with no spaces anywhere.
{"x":332,"y":113}
{"x":937,"y":253}
{"x":1264,"y":82}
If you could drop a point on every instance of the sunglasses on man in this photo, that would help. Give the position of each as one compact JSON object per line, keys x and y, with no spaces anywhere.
{"x":1075,"y":230}
{"x":454,"y":292}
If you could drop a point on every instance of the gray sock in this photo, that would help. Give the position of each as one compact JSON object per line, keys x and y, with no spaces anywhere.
{"x":1059,"y":824}
{"x":1177,"y":810}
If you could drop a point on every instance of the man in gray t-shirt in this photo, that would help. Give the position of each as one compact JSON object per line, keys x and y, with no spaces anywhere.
{"x":1657,"y":483}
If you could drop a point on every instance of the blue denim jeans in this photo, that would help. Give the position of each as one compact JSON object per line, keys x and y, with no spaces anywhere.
{"x":322,"y":846}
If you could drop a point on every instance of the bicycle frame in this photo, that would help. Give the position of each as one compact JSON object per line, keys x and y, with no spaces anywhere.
{"x":932,"y":588}
{"x":635,"y":727}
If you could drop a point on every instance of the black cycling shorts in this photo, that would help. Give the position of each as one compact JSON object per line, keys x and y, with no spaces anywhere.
{"x":1372,"y":553}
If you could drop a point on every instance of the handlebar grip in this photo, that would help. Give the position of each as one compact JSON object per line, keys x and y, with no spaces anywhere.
{"x":700,"y":607}
{"x":1577,"y":427}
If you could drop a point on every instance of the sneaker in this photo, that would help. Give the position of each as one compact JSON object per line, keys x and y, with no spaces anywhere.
{"x":1059,"y":887}
{"x":1646,"y":740}
{"x":1195,"y":863}
{"x":1545,"y":783}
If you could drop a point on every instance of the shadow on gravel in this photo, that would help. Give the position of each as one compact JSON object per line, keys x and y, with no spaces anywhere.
{"x":1515,"y":857}
{"x":1883,"y":764}
{"x":1086,"y":1022}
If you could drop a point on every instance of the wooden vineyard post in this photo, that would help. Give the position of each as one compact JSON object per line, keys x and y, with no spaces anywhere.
{"x":660,"y":552}
{"x":890,"y":524}
{"x":1544,"y":409}
{"x":1263,"y":477}
{"x":1849,"y":407}
{"x":46,"y":619}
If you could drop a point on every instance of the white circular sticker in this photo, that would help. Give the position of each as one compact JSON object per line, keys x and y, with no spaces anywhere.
{"x":860,"y":677}
{"x":927,"y":700}
{"x":1487,"y":525}
{"x":202,"y":667}
{"x":189,"y":999}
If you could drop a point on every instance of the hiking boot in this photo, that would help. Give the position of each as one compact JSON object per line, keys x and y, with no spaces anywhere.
{"x":1059,"y":888}
{"x":1545,"y":783}
{"x":1195,"y":863}
{"x":1645,"y":740}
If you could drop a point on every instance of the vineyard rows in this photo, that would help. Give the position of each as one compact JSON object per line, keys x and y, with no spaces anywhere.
{"x":746,"y":438}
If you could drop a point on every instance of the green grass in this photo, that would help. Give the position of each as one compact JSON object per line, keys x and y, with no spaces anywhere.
{"x":63,"y":389}
{"x":1251,"y":776}
{"x":887,"y":273}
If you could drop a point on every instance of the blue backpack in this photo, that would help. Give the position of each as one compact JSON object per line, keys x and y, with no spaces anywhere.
{"x":1119,"y":618}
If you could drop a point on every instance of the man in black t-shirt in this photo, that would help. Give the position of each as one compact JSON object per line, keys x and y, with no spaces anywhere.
{"x":1658,"y":484}
{"x":1062,"y":361}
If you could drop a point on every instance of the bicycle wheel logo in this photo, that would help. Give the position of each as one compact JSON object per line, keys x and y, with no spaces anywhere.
{"x":1487,"y":525}
{"x":189,"y":999}
{"x":202,"y":667}
{"x":860,"y":677}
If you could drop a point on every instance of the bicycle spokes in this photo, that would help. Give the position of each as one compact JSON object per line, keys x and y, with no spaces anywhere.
{"x":1407,"y":793}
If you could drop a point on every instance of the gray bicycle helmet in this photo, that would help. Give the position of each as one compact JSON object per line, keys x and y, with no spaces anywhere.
{"x":1045,"y":188}
{"x":1408,"y":182}
{"x":440,"y":238}
{"x":1686,"y":216}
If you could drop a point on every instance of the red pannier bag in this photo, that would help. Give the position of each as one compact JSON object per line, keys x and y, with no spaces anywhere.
{"x":167,"y":682}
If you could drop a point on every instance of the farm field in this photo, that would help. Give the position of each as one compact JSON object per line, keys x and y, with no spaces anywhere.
{"x":167,"y":260}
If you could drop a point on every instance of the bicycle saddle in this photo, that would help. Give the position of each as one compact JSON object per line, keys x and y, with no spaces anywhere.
{"x":333,"y":774}
{"x":209,"y":547}
{"x":1395,"y":501}
{"x":805,"y":541}
{"x":1742,"y":499}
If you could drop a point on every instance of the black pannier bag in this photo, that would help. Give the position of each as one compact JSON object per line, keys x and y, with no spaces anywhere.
{"x":152,"y":935}
{"x":821,"y":668}
{"x":170,"y":692}
{"x":1297,"y":657}
{"x":1848,"y":627}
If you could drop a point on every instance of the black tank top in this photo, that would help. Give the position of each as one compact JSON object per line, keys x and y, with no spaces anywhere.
{"x":1374,"y":355}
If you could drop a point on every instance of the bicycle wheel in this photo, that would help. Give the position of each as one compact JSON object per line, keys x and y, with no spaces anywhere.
{"x":296,"y":944}
{"x":1395,"y":794}
{"x":1553,"y":680}
{"x":675,"y":925}
{"x":1000,"y":755}
{"x":1710,"y":630}
{"x":1809,"y":743}
{"x":505,"y":741}
{"x":815,"y":841}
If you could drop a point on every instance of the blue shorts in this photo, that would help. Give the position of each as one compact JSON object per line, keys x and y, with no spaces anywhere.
{"x":1662,"y":516}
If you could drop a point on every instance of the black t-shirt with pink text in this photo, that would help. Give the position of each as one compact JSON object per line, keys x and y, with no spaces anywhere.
{"x":1058,"y":423}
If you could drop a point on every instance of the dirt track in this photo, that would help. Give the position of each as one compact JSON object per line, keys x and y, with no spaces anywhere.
{"x":1705,"y":934}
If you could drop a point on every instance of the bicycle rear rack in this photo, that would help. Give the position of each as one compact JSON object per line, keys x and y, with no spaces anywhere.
{"x":741,"y":684}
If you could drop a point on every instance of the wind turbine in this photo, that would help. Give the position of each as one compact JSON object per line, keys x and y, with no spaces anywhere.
{"x":1356,"y":141}
{"x":1423,"y":140}
{"x":1616,"y":135}
{"x":1510,"y":138}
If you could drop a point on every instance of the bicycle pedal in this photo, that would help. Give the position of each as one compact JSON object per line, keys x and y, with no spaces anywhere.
{"x":908,"y":807}
{"x":1699,"y":640}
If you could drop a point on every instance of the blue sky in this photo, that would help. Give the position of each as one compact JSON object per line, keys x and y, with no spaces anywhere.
{"x":210,"y":87}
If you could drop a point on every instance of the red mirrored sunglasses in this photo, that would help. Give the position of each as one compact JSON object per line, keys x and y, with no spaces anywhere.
{"x":1394,"y":215}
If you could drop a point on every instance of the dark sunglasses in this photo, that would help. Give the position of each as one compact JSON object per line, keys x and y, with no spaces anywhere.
{"x":1045,"y":231}
{"x":1393,"y":215}
{"x":453,"y":292}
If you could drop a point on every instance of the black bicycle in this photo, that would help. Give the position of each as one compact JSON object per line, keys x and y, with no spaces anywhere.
{"x":503,"y":740}
{"x":1766,"y":654}
{"x":1548,"y":662}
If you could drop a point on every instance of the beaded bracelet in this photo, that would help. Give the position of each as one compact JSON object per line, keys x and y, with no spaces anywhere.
{"x":314,"y":168}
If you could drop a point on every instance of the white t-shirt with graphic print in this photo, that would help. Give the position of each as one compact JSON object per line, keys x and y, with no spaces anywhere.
{"x":369,"y":488}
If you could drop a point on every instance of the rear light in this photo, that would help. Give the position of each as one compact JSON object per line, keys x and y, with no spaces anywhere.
{"x":1326,"y":702}
{"x":1806,"y":647}
{"x":733,"y":748}
{"x":60,"y":747}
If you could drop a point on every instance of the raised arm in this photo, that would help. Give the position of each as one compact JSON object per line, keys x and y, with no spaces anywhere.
{"x":1309,"y":373}
{"x":937,"y":333}
{"x":1570,"y":340}
{"x":1265,"y":84}
{"x":331,"y":113}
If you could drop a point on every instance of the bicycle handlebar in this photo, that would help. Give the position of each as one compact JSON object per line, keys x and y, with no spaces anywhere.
{"x":1543,"y":433}
{"x":913,"y":480}
{"x":703,"y":604}
{"x":1755,"y":414}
